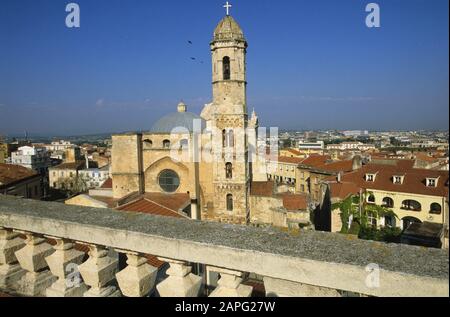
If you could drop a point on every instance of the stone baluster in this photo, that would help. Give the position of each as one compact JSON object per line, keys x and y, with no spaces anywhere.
{"x":99,"y":271}
{"x":10,"y":270}
{"x":64,"y":263}
{"x":283,"y":288}
{"x":138,"y":278}
{"x":181,"y":282}
{"x":32,"y":259}
{"x":230,"y":284}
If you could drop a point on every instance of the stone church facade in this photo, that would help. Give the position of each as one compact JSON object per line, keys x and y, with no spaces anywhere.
{"x":211,"y":159}
{"x":206,"y":156}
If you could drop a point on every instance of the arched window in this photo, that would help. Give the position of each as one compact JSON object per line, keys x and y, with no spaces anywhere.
{"x":184,"y":144}
{"x":388,"y":202}
{"x":229,"y":170}
{"x":169,"y":181}
{"x":148,"y":144}
{"x":166,"y":144}
{"x":226,"y":68}
{"x":435,"y":209}
{"x":406,"y":221}
{"x":371,"y":199}
{"x":230,"y":202}
{"x":411,"y":205}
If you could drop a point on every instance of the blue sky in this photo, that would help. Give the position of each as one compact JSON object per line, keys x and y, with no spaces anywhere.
{"x":311,"y":64}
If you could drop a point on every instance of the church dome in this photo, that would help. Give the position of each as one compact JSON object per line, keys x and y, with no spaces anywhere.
{"x":228,"y":29}
{"x":177,"y":122}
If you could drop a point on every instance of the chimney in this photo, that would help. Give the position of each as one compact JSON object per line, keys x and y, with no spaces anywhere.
{"x":339,"y":177}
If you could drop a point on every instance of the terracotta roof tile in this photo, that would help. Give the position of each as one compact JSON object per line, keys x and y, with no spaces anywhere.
{"x":339,"y":166}
{"x":343,"y":190}
{"x":414,"y":180}
{"x":324,"y":162}
{"x":291,"y":160}
{"x":316,"y":160}
{"x":110,"y":201}
{"x":146,"y":206}
{"x":108,"y":184}
{"x":424,"y":157}
{"x":10,"y":173}
{"x":172,"y":201}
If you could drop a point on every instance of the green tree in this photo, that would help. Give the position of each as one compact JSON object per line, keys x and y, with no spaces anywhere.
{"x":362,"y":212}
{"x":287,"y":143}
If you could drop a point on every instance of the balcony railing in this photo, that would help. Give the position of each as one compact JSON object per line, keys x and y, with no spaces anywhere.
{"x":306,"y":264}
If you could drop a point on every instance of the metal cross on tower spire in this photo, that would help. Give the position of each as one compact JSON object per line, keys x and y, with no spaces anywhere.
{"x":227,"y":6}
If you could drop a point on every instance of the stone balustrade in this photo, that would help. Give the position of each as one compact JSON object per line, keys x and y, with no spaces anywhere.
{"x":41,"y":254}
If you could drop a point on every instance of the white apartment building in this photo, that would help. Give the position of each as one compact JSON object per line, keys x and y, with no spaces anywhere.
{"x":95,"y":177}
{"x":319,"y":145}
{"x":355,"y":146}
{"x":76,"y":176}
{"x":35,"y":158}
{"x":60,"y":145}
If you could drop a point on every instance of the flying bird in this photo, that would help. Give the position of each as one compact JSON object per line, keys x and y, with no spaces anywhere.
{"x":190,"y":42}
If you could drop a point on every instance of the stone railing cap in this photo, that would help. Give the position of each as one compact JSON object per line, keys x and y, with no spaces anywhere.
{"x":310,"y":245}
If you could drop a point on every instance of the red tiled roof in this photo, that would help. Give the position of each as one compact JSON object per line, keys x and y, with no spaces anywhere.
{"x":316,"y":160}
{"x":10,"y":173}
{"x":425,"y":157}
{"x":108,"y":184}
{"x":414,"y":179}
{"x":339,"y":166}
{"x":262,"y":188}
{"x":146,"y":206}
{"x":110,"y":201}
{"x":400,"y":163}
{"x":343,"y":190}
{"x":405,"y":164}
{"x":291,"y":160}
{"x":324,"y":162}
{"x":171,"y":201}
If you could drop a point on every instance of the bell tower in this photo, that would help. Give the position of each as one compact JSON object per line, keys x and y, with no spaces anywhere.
{"x":231,"y":176}
{"x":229,"y":49}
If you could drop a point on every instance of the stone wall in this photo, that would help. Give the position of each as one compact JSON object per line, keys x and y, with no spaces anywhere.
{"x":325,"y":260}
{"x":126,"y":164}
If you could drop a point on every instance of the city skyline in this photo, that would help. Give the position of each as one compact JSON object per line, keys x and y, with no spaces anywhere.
{"x":224,"y":150}
{"x":116,"y":73}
